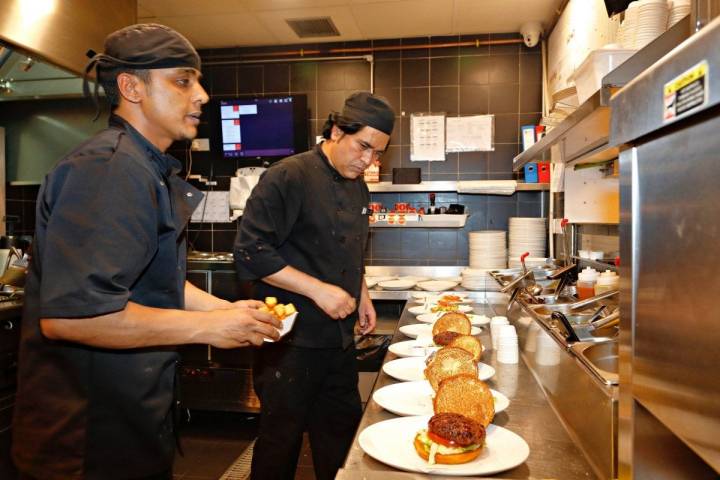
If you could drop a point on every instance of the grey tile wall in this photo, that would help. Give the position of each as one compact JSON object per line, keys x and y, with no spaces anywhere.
{"x":504,"y":80}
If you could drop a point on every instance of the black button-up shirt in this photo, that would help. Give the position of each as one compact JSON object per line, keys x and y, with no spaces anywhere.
{"x":109,"y":229}
{"x":303,"y":213}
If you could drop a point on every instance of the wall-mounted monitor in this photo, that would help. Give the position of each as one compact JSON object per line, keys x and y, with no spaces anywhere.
{"x":259,"y":127}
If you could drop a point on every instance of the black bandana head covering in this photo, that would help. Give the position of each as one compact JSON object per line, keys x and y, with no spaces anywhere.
{"x":141,"y":47}
{"x":370,"y":110}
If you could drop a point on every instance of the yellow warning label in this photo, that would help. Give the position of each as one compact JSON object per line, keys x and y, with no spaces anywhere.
{"x":685,"y":79}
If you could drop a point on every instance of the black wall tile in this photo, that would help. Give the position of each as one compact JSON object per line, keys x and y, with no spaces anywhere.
{"x":530,"y":68}
{"x":224,"y":80}
{"x":444,"y":99}
{"x":474,"y":99}
{"x":250,"y":80}
{"x":504,"y":98}
{"x":444,"y":51}
{"x":303,"y":76}
{"x":506,"y":128}
{"x":473,"y":162}
{"x":531,"y":97}
{"x":475,"y":70}
{"x":444,"y":71}
{"x":392,"y":95}
{"x":387,"y":73}
{"x":277,"y":78}
{"x":416,"y":53}
{"x":472,"y":49}
{"x":507,"y":49}
{"x":500,"y":160}
{"x":504,"y":69}
{"x":331,"y":76}
{"x":415,"y":99}
{"x":415,"y":73}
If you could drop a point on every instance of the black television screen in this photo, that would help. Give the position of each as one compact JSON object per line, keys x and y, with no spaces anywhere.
{"x":261,"y":127}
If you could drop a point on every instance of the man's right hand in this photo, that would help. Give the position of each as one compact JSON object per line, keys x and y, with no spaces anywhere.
{"x":241,"y":327}
{"x":334,"y":301}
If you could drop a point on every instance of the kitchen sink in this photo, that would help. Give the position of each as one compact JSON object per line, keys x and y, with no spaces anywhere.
{"x":602,"y":358}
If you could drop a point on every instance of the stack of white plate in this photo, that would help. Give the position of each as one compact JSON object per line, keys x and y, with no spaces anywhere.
{"x":527,"y":234}
{"x":487,"y":249}
{"x":652,"y":21}
{"x":678,"y":10}
{"x":479,"y":279}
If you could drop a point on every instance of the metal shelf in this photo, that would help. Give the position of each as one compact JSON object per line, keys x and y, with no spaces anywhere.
{"x":389,"y":187}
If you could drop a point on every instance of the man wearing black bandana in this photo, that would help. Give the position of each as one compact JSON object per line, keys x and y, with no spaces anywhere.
{"x":106,"y":296}
{"x":303,"y":236}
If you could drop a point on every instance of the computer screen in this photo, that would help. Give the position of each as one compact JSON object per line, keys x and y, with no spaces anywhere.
{"x":262,"y":127}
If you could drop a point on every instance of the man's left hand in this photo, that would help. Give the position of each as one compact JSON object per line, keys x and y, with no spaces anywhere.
{"x":367,"y":316}
{"x":248,"y":304}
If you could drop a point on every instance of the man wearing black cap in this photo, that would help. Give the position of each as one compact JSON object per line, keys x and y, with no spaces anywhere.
{"x":106,"y":296}
{"x":303,"y":234}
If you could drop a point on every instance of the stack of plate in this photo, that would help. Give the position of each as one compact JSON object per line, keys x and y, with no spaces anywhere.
{"x":527,"y":234}
{"x":678,"y":10}
{"x":479,"y":279}
{"x":652,"y":21}
{"x":487,"y":249}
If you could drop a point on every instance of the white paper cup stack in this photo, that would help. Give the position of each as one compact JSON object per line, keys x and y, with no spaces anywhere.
{"x":495,"y":324}
{"x":487,"y":249}
{"x":527,"y":234}
{"x":629,"y":26}
{"x":547,"y":351}
{"x":507,"y":344}
{"x":652,"y":21}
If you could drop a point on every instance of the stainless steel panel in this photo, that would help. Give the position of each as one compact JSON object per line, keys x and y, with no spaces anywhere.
{"x":638,"y":107}
{"x":675,"y":364}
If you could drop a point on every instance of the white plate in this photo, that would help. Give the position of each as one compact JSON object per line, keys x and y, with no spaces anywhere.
{"x":433,"y":297}
{"x":411,"y":369}
{"x":437,"y":285}
{"x":474,"y":319}
{"x":416,"y":398}
{"x":397,"y":284}
{"x":411,"y":348}
{"x":391,"y":442}
{"x":370,"y":282}
{"x":416,"y":329}
{"x":420,"y":309}
{"x":287,"y":324}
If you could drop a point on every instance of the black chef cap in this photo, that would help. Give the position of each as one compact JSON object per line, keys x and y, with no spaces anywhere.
{"x":141,"y":47}
{"x":369,"y":110}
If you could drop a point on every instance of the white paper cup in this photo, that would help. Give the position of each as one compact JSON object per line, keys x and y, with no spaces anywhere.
{"x":548,"y":352}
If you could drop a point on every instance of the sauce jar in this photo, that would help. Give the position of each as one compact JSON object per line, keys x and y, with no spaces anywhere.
{"x":606,"y":282}
{"x":585,"y":285}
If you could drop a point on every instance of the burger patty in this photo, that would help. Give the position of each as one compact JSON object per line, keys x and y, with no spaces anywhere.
{"x":444,"y":338}
{"x":457,"y":428}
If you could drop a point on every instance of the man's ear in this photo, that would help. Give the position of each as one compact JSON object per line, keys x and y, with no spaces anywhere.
{"x":130,"y":87}
{"x":336,"y":134}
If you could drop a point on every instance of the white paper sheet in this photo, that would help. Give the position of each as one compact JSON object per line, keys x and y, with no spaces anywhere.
{"x":427,"y":136}
{"x":470,"y":134}
{"x":216,"y":211}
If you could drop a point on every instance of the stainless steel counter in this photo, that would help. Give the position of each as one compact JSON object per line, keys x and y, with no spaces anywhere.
{"x":552,"y":452}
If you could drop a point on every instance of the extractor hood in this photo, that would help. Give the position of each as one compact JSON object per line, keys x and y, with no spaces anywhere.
{"x":24,"y":78}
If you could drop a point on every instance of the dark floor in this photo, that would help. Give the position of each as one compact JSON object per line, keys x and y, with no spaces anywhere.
{"x":212,"y":441}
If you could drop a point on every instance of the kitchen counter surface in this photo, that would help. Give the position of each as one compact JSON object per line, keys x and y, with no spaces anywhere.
{"x":552,"y":452}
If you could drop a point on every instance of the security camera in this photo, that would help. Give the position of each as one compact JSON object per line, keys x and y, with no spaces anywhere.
{"x":531,"y":32}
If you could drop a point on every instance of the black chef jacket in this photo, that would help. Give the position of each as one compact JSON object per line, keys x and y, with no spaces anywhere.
{"x":109,"y":229}
{"x":303,"y":213}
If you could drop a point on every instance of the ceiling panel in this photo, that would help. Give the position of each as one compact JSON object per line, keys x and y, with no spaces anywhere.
{"x":405,"y":18}
{"x":218,"y":23}
{"x":177,"y":8}
{"x":472,"y":16}
{"x":213,"y":31}
{"x":264,"y":5}
{"x":342,"y":17}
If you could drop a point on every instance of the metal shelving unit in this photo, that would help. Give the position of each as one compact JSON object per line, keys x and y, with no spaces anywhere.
{"x":435,"y":186}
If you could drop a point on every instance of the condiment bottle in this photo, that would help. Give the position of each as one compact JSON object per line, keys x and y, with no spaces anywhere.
{"x":606,"y":282}
{"x":585,"y":285}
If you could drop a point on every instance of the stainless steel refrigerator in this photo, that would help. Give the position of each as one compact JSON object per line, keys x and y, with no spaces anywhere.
{"x":667,"y":122}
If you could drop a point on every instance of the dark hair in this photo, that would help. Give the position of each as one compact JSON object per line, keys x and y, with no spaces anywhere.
{"x":346,"y":125}
{"x":108,"y":80}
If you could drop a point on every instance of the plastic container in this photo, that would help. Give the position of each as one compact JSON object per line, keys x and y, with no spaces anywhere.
{"x":588,"y":76}
{"x":585,"y":286}
{"x":543,"y":172}
{"x":531,"y":172}
{"x":607,"y":281}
